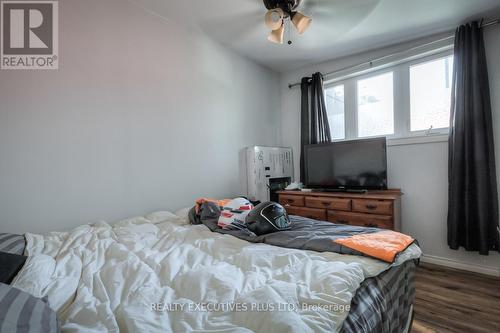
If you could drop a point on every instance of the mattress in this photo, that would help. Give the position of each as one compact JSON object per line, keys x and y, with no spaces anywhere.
{"x":383,"y":304}
{"x":104,"y":277}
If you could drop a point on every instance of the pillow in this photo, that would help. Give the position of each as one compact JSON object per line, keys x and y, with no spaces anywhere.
{"x":161,"y":216}
{"x":164,"y":216}
{"x":183,"y":212}
{"x":22,"y":312}
{"x":10,"y":265}
{"x":10,"y":243}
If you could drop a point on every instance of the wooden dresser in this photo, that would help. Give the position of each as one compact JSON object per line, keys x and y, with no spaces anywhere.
{"x":381,"y":209}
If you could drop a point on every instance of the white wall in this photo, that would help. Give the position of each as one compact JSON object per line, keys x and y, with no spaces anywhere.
{"x":420,"y":170}
{"x":142,"y":115}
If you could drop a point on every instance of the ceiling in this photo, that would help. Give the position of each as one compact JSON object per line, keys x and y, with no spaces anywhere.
{"x":339,"y":28}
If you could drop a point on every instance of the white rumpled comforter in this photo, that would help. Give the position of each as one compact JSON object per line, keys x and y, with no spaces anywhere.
{"x":155,"y":274}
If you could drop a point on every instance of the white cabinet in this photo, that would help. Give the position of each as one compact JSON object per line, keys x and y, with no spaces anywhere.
{"x":269,"y":169}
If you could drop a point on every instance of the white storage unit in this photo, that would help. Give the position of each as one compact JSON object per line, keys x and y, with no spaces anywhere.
{"x":269,"y":169}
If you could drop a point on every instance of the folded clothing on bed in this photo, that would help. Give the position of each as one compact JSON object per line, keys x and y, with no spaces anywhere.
{"x":217,"y":202}
{"x":384,"y":245}
{"x":320,"y":236}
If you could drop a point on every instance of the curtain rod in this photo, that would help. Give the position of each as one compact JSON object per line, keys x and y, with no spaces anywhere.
{"x":370,"y":62}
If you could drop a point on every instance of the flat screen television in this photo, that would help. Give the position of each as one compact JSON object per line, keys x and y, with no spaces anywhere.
{"x":347,"y":165}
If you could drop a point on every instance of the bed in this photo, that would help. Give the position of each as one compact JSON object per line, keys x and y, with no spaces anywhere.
{"x":159,"y":274}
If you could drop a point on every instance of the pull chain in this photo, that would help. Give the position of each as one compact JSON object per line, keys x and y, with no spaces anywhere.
{"x":288,"y":31}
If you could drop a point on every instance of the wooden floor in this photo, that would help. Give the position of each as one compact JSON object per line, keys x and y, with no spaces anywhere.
{"x":449,"y":300}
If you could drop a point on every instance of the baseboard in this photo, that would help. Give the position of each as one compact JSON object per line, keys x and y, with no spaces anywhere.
{"x":460,"y":265}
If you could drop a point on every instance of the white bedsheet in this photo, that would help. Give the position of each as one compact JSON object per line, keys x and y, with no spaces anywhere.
{"x":156,"y":275}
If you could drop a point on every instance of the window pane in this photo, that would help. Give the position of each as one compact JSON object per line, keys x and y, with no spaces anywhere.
{"x":430,"y":94}
{"x":376,"y":106}
{"x":335,"y":107}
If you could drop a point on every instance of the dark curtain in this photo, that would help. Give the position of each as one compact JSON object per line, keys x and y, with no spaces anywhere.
{"x":314,"y":120}
{"x":473,"y":198}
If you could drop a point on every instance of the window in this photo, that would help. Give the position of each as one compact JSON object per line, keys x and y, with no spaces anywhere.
{"x":409,"y":99}
{"x":335,"y":106}
{"x":430,"y":94}
{"x":376,"y":106}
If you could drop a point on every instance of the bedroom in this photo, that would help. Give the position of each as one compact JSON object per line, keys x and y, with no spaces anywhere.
{"x":150,"y":105}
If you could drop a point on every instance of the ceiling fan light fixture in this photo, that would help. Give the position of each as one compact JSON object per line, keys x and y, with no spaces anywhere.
{"x":301,"y":22}
{"x":277,"y":36}
{"x":274,"y":18}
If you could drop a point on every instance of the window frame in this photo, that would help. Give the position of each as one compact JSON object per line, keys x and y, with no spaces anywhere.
{"x":345,"y":113}
{"x":356,"y":95}
{"x":401,"y":102}
{"x":422,"y":61}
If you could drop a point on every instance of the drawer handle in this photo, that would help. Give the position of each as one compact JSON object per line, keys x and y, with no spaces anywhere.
{"x":325,"y":203}
{"x":343,"y":222}
{"x":290,"y":200}
{"x":371,"y":225}
{"x":371,"y":207}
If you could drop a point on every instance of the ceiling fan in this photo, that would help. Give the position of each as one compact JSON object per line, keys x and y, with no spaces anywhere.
{"x":279,"y":11}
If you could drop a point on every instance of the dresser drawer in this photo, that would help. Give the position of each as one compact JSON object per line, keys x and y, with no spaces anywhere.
{"x":362,"y":220}
{"x":292,"y":200}
{"x":338,"y":217}
{"x":329,"y":203}
{"x":312,"y":213}
{"x":372,"y":206}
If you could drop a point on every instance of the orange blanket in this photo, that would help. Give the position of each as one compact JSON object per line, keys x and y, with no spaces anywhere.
{"x":201,"y":201}
{"x":383,"y":245}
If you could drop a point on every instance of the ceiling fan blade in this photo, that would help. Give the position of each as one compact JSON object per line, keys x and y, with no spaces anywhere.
{"x":337,"y":8}
{"x":333,"y":18}
{"x":192,"y":11}
{"x":237,"y":28}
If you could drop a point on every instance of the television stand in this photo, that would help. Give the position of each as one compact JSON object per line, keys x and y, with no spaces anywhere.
{"x":356,"y":191}
{"x":340,"y":190}
{"x":381,"y":209}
